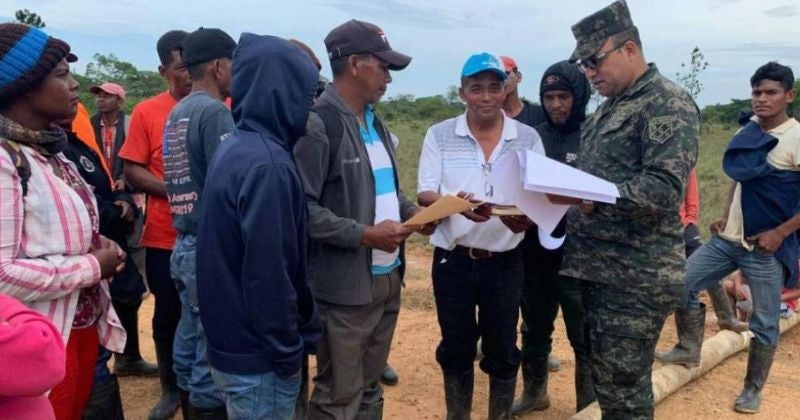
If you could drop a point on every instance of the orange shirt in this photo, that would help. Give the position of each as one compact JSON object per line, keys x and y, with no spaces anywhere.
{"x":143,"y":146}
{"x":691,"y":201}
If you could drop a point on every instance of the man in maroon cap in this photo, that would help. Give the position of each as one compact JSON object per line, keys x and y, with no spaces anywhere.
{"x":347,"y":163}
{"x":110,"y":129}
{"x":110,"y":126}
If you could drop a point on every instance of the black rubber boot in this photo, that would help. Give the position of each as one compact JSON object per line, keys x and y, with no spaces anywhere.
{"x":372,"y":411}
{"x":105,"y":402}
{"x":501,"y":397}
{"x":584,"y":385}
{"x":184,"y":404}
{"x":301,"y":403}
{"x":389,"y":376}
{"x":458,"y":387}
{"x":726,"y":319}
{"x":130,"y":362}
{"x":170,"y":400}
{"x":690,"y":324}
{"x":197,"y":413}
{"x":759,"y":361}
{"x":534,"y":392}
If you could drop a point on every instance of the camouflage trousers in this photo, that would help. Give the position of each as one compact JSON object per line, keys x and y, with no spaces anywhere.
{"x":623,"y":325}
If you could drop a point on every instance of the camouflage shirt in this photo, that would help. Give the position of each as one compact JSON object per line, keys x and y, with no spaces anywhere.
{"x":644,"y":141}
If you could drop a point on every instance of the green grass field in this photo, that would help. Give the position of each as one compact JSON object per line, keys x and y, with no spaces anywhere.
{"x":713,"y":182}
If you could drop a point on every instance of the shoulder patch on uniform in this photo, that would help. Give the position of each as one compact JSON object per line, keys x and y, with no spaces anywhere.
{"x":660,"y":129}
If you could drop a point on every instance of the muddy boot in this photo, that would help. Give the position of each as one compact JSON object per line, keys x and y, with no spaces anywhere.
{"x":534,"y":392}
{"x":501,"y":397}
{"x":389,"y":376}
{"x":301,"y":403}
{"x":170,"y":400}
{"x":130,"y":362}
{"x":759,"y":362}
{"x":690,"y":324}
{"x":553,"y":364}
{"x":726,"y":319}
{"x":458,"y":394}
{"x":105,"y":402}
{"x":584,"y":385}
{"x":372,"y":411}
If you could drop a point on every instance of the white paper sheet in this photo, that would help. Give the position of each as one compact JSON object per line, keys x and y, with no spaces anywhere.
{"x":525,"y":178}
{"x":550,"y":176}
{"x":506,"y":176}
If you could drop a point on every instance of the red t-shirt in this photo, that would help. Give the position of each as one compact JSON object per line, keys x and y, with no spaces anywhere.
{"x":143,"y":146}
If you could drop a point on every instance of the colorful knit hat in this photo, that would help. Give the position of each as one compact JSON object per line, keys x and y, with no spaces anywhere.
{"x":27,"y":56}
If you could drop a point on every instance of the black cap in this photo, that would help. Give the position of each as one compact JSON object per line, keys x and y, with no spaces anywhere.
{"x":206,"y":44}
{"x":358,"y":37}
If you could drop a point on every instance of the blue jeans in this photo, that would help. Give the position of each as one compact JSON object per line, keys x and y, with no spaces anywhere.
{"x":718,"y":258}
{"x":261,"y":396}
{"x":189,"y":351}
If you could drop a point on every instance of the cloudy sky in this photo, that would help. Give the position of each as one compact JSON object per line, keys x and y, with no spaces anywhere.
{"x":736,"y":36}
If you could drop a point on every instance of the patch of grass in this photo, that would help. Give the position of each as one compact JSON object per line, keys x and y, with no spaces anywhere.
{"x":714,"y":184}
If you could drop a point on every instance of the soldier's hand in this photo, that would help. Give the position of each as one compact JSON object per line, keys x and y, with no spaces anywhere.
{"x":718,"y":225}
{"x":387,"y":235}
{"x":767,"y":242}
{"x":516,"y":224}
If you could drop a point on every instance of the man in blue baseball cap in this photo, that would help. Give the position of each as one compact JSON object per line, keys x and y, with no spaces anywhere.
{"x":476,"y":262}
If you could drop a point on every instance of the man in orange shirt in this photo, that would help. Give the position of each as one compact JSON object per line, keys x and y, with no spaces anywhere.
{"x":144,"y":169}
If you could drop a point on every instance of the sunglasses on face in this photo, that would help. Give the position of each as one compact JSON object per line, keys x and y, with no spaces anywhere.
{"x":593,"y":62}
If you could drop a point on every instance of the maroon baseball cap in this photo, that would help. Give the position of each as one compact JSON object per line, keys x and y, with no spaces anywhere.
{"x":358,"y":37}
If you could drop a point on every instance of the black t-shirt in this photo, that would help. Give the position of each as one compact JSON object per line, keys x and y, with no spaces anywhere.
{"x":531,"y":114}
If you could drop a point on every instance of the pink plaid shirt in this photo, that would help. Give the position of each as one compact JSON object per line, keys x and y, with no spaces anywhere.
{"x":45,"y":239}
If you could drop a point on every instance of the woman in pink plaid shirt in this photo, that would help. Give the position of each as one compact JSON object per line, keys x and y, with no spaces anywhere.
{"x":52,"y":257}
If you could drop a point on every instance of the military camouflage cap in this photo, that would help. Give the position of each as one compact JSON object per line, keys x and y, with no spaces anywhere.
{"x":593,"y":31}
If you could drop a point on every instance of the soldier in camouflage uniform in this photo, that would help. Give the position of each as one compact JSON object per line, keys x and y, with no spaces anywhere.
{"x":629,"y":256}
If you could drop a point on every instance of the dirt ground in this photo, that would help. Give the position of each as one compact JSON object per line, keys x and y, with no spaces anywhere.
{"x":420,"y":395}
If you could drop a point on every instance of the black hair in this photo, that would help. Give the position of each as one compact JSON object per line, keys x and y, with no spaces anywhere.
{"x":198,"y":71}
{"x":339,"y":65}
{"x":776,"y":72}
{"x":169,"y":42}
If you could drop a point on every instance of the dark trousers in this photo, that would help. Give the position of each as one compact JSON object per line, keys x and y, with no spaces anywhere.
{"x":623,"y":325}
{"x":543,"y":291}
{"x":167,"y":310}
{"x":493,"y":286}
{"x":128,"y":313}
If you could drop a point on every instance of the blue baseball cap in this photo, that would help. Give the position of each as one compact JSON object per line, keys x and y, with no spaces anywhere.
{"x":481,"y":62}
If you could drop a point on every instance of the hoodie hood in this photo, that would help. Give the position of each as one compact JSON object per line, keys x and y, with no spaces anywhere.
{"x":567,"y":76}
{"x":272,"y":86}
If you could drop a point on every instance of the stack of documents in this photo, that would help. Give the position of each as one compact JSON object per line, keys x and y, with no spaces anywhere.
{"x":525,"y":178}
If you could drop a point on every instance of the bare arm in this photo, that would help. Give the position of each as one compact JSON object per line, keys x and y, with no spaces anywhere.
{"x":138,"y":176}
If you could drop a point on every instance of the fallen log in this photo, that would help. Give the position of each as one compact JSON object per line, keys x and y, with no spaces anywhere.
{"x":669,"y":378}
